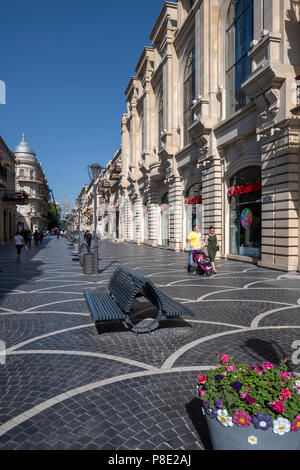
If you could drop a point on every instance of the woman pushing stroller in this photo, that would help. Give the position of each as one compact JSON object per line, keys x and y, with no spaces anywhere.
{"x":196,"y":254}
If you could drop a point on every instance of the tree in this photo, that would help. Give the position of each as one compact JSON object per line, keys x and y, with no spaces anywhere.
{"x":53,"y":222}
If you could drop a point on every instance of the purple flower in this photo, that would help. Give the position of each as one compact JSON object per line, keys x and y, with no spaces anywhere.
{"x":237,"y":386}
{"x":262,"y":421}
{"x":212,"y":412}
{"x":218,"y":404}
{"x":219,"y":377}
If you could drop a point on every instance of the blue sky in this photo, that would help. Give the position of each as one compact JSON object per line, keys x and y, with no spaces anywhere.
{"x":66,"y":65}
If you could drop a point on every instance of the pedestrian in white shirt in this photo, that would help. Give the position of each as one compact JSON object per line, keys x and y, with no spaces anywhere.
{"x":19,"y":243}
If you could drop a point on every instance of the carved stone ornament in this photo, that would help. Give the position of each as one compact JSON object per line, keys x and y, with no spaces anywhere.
{"x":267,"y":106}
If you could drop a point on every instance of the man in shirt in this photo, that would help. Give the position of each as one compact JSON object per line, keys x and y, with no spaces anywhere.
{"x":194,"y":239}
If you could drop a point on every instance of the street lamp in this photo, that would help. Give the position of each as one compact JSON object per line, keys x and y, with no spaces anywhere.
{"x":94,"y":171}
{"x":79,"y":200}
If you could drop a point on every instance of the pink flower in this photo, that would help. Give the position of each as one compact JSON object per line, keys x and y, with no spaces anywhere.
{"x":202,"y":379}
{"x":277,"y":406}
{"x":286,"y":375}
{"x":250,"y":399}
{"x":224,"y":358}
{"x":295,"y":425}
{"x":267,"y":365}
{"x":229,"y":368}
{"x":285,"y":394}
{"x":241,"y":418}
{"x":201,"y":392}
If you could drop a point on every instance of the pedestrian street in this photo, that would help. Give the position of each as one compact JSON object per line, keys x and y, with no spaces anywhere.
{"x":65,"y":386}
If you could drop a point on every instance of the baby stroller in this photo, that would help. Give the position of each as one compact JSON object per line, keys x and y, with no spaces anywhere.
{"x":203,"y":265}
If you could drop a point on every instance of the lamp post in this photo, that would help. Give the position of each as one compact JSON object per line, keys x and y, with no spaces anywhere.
{"x":94,"y":171}
{"x":79,"y":235}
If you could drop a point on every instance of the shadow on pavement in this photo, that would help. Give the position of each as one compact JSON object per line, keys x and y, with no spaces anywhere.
{"x":14,"y":272}
{"x":196,"y":416}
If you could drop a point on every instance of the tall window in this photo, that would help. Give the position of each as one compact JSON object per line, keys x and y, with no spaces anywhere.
{"x":160,"y":119}
{"x":189,"y":94}
{"x":239,"y":34}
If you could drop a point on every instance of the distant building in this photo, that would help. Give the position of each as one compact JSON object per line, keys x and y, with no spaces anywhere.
{"x":8,"y":196}
{"x":31,"y":179}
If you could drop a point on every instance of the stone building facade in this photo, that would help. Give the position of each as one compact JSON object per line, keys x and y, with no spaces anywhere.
{"x":8,"y":196}
{"x":30,"y":178}
{"x":211,"y":131}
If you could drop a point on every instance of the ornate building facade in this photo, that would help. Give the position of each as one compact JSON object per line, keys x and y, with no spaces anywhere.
{"x":8,"y":196}
{"x":211,"y":132}
{"x":31,"y":178}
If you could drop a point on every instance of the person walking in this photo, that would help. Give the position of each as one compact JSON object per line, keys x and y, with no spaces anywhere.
{"x":19,"y":243}
{"x":194,"y":239}
{"x":36,"y":236}
{"x":211,"y":241}
{"x":29,"y":238}
{"x":88,"y":239}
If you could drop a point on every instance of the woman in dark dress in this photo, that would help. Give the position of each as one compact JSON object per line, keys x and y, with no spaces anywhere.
{"x":211,"y":241}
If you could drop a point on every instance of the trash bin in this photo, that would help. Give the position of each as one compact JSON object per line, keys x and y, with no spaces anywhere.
{"x":88,"y":263}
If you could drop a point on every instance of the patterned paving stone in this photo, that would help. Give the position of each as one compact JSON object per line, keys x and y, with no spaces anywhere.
{"x":268,"y":344}
{"x":17,"y":328}
{"x":148,"y":410}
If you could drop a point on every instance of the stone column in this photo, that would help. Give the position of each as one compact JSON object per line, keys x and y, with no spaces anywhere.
{"x":176,"y":215}
{"x":280,"y":198}
{"x":153,"y":218}
{"x":128,"y":234}
{"x":212,"y":197}
{"x":138,"y":207}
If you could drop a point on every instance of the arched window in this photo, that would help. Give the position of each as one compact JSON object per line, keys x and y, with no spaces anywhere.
{"x":239,"y":34}
{"x":189,"y":94}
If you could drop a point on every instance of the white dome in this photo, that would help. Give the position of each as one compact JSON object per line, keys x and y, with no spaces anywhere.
{"x":24,"y":149}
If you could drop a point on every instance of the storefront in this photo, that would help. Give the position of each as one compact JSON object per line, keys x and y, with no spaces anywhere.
{"x":193,"y":210}
{"x":145,"y":222}
{"x":244,"y":196}
{"x":164,"y":221}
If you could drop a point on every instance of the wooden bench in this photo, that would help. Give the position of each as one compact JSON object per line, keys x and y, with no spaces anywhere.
{"x":124,"y":286}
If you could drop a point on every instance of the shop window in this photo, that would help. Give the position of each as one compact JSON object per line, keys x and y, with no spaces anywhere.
{"x":239,"y":34}
{"x":146,"y":221}
{"x":244,"y":196}
{"x":164,"y":219}
{"x":189,"y":93}
{"x":193,"y":209}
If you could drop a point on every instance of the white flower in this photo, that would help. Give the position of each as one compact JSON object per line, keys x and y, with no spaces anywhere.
{"x":297,"y":383}
{"x":252,"y":440}
{"x":222,"y":416}
{"x":281,"y":426}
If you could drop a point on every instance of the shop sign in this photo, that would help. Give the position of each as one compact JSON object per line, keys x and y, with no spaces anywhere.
{"x":244,"y":188}
{"x":145,"y":210}
{"x":193,"y":200}
{"x":164,"y":207}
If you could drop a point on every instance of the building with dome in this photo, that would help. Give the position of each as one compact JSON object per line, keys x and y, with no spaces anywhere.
{"x":31,"y":179}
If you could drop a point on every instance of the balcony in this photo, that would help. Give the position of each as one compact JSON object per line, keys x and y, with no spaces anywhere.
{"x":32,"y":179}
{"x":14,"y":197}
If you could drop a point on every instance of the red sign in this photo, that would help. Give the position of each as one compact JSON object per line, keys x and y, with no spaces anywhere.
{"x":193,"y":200}
{"x":244,"y":188}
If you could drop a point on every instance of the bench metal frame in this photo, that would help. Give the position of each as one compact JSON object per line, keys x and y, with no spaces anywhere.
{"x":124,"y":287}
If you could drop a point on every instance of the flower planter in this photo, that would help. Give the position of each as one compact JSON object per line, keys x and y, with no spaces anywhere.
{"x":251,"y":407}
{"x":249,"y":438}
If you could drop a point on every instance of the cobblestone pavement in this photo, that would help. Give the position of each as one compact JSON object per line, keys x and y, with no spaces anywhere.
{"x":65,"y":386}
